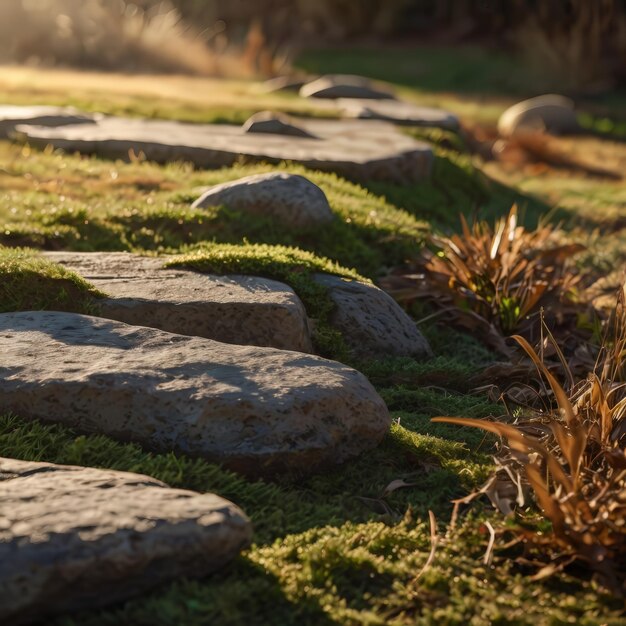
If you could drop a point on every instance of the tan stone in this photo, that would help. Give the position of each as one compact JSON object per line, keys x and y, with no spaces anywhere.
{"x":344,"y":86}
{"x":550,"y":113}
{"x":291,"y":199}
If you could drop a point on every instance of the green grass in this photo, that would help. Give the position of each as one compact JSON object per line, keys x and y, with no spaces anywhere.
{"x":29,"y":282}
{"x":330,"y":549}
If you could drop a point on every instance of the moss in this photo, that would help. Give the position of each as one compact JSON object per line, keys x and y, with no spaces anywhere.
{"x":29,"y":282}
{"x":289,"y":265}
{"x":324,"y":552}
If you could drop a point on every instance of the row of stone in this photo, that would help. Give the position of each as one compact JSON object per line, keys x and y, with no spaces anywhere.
{"x":244,"y":310}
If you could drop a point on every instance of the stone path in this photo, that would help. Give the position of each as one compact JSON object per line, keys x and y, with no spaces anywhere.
{"x":210,"y":366}
{"x":256,"y":410}
{"x":243,"y":310}
{"x":356,"y":149}
{"x":74,"y":538}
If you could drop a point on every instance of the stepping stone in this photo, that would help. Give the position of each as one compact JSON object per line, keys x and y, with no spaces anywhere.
{"x":12,"y":116}
{"x":356,"y":149}
{"x":76,"y":538}
{"x":550,"y":114}
{"x":274,"y":124}
{"x":255,"y":410}
{"x":343,"y":86}
{"x":244,"y":310}
{"x":291,"y":199}
{"x":403,"y":113}
{"x":372,"y":323}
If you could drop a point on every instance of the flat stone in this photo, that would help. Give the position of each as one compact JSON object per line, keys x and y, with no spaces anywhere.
{"x":372,"y":323}
{"x":244,"y":310}
{"x":274,"y":124}
{"x":357,"y":149}
{"x":551,"y":114}
{"x":289,"y":198}
{"x":12,"y":116}
{"x":398,"y":112}
{"x":76,"y":538}
{"x":343,"y":86}
{"x":255,"y":410}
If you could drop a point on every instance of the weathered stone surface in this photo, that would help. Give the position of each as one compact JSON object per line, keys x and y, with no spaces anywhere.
{"x":244,"y":310}
{"x":343,"y":86}
{"x":550,"y":113}
{"x":398,"y":112}
{"x":12,"y":116}
{"x":357,"y":149}
{"x":371,"y":322}
{"x":75,"y":537}
{"x":256,"y":410}
{"x":290,"y":198}
{"x":274,"y":124}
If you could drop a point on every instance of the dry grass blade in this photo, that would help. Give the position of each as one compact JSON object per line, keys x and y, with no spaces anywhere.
{"x":572,"y":456}
{"x":434,"y":540}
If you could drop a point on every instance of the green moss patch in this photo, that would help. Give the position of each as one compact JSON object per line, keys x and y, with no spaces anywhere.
{"x":333,"y":549}
{"x":289,"y":265}
{"x":29,"y":282}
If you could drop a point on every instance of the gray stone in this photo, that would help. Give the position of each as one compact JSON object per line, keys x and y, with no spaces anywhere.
{"x":256,"y":410}
{"x":371,"y":321}
{"x":274,"y":124}
{"x":550,"y":114}
{"x":291,"y":199}
{"x":244,"y":310}
{"x":343,"y":86}
{"x":80,"y":538}
{"x":12,"y":116}
{"x":398,"y":112}
{"x":357,"y":149}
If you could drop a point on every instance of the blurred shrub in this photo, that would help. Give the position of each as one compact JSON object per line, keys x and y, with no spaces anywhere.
{"x":106,"y":34}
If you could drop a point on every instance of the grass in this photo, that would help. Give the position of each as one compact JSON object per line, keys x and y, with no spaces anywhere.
{"x":29,"y":282}
{"x":333,"y":549}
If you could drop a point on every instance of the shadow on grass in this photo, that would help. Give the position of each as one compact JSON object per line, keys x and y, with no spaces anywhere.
{"x":241,"y":593}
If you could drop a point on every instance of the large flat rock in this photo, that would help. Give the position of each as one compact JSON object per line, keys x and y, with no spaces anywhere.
{"x":359,"y":150}
{"x":76,"y":537}
{"x":371,"y":322}
{"x":256,"y":410}
{"x":398,"y":112}
{"x":11,"y":116}
{"x":244,"y":310}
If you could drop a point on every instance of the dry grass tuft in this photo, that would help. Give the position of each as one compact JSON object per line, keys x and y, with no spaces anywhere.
{"x":572,"y":458}
{"x":111,"y":35}
{"x":494,"y":280}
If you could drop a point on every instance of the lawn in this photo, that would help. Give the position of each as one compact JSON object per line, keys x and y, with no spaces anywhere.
{"x":340,"y":547}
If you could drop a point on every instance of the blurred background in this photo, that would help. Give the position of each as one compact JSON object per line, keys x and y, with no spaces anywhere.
{"x":573,"y":46}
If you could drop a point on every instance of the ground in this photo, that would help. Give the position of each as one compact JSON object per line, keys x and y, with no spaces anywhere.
{"x":337,"y":548}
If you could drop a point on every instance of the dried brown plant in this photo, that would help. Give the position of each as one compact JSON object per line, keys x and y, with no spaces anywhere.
{"x":572,"y":459}
{"x":494,"y":280}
